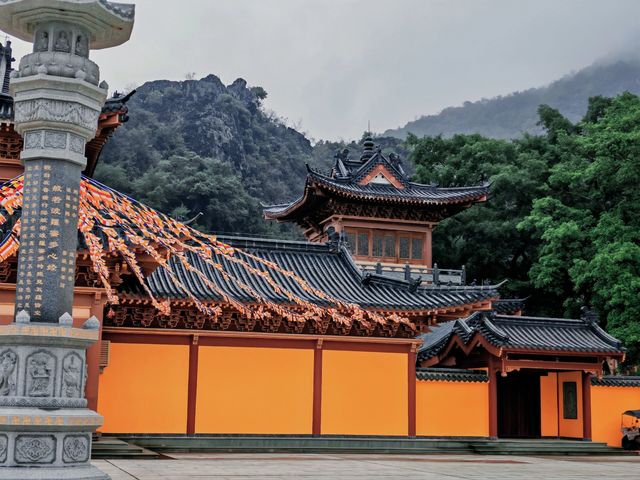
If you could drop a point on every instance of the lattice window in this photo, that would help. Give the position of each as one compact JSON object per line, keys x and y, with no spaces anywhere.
{"x":405,"y":247}
{"x":570,"y":400}
{"x":378,"y":242}
{"x":351,"y":242}
{"x":390,"y":246}
{"x":416,"y":248}
{"x":363,"y":244}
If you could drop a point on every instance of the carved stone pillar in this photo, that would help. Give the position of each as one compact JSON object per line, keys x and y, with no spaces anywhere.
{"x":45,"y":425}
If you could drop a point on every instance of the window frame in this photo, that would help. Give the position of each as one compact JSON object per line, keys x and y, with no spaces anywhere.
{"x":385,"y":235}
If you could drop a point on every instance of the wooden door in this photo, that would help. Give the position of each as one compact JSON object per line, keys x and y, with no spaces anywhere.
{"x":519,"y":405}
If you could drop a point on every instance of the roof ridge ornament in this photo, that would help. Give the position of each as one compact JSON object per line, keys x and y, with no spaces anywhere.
{"x":368,"y":150}
{"x":589,"y":315}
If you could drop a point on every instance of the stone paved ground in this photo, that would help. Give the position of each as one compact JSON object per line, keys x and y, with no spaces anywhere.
{"x":376,"y":467}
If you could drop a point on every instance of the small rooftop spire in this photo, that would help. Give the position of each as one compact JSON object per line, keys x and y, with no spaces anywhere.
{"x":368,"y":150}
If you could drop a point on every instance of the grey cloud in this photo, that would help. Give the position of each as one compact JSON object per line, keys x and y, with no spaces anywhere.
{"x":337,"y":64}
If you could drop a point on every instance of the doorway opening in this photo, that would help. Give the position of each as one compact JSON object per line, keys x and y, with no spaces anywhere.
{"x":519,"y":405}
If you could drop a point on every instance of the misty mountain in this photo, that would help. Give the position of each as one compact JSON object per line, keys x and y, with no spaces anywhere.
{"x":510,"y":115}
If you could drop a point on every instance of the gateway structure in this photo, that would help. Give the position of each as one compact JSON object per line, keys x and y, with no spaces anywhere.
{"x":205,"y":335}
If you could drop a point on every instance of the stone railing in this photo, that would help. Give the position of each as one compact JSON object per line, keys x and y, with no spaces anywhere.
{"x":408,"y":272}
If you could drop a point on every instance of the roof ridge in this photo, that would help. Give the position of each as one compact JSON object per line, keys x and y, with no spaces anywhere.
{"x":604,"y":336}
{"x":275,"y":242}
{"x":545,"y":320}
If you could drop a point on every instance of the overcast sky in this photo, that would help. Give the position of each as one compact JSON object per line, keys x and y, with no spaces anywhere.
{"x":330,"y":66}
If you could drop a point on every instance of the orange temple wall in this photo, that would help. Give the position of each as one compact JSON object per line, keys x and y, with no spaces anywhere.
{"x":607,"y":406}
{"x":144,"y":389}
{"x":254,"y":390}
{"x":270,"y":390}
{"x":364,"y":393}
{"x":456,"y":409}
{"x":243,"y":385}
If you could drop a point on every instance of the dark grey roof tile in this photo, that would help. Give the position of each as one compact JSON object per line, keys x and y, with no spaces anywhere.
{"x":522,"y":333}
{"x":321,"y":267}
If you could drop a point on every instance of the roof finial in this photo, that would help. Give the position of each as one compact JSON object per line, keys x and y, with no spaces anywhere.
{"x":368,"y":150}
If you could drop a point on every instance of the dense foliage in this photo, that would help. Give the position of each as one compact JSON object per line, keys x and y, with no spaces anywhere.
{"x":510,"y":115}
{"x":563,"y":221}
{"x":199,"y":146}
{"x":562,"y":224}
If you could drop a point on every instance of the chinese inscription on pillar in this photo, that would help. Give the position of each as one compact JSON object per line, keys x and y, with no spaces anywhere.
{"x":49,"y":237}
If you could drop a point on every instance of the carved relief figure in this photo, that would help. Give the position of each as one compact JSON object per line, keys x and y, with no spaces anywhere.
{"x":3,"y":447}
{"x":62,"y":43}
{"x":39,"y":371}
{"x":8,"y":361}
{"x":42,"y":43}
{"x":72,"y":376}
{"x":57,"y":111}
{"x":81,"y":46}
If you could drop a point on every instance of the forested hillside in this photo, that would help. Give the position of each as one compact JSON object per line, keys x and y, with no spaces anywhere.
{"x":510,"y":115}
{"x":200,"y":146}
{"x":562,"y":223}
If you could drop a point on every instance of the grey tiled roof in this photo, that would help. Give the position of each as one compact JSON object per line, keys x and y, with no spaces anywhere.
{"x":451,"y":375}
{"x":413,"y":193}
{"x":509,"y":306}
{"x":521,"y":334}
{"x":344,"y":181}
{"x":616,"y":381}
{"x":322,"y":266}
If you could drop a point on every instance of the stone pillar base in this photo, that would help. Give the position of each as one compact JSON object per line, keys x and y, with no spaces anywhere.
{"x":67,"y":473}
{"x":45,"y":427}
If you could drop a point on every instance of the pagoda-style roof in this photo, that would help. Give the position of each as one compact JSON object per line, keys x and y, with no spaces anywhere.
{"x":256,"y":278}
{"x":326,"y":268}
{"x":114,"y":113}
{"x":374,"y":180}
{"x":505,"y":333}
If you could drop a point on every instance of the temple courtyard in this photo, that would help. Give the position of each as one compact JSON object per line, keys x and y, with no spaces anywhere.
{"x":284,"y":466}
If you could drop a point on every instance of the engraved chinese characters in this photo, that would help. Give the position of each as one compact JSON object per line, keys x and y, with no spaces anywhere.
{"x":48,"y":240}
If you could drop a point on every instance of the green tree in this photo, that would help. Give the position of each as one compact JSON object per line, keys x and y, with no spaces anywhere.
{"x":485,"y":237}
{"x":589,"y":223}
